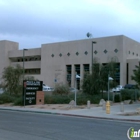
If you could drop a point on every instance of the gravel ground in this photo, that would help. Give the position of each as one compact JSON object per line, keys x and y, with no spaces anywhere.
{"x":53,"y":106}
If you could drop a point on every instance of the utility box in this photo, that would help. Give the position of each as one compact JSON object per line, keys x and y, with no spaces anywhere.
{"x":40,"y":98}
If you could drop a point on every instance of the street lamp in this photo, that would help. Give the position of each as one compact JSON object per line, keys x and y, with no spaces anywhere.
{"x":76,"y":77}
{"x":109,"y":79}
{"x":24,"y":61}
{"x":93,"y":42}
{"x":24,"y":73}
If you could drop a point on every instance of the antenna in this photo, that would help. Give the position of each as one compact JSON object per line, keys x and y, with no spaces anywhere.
{"x":89,"y":35}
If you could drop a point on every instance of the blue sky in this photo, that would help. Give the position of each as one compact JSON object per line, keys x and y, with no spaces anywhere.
{"x":35,"y":22}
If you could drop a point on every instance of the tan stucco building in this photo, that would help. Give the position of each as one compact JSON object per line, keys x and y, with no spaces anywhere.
{"x":57,"y":62}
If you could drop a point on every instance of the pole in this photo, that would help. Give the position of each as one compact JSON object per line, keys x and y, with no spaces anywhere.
{"x":23,"y":77}
{"x":24,"y":89}
{"x":23,"y":63}
{"x":92,"y":57}
{"x":93,"y":42}
{"x":108,"y":87}
{"x":75,"y":88}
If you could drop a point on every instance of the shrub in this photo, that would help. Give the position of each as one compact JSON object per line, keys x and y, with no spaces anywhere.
{"x":61,"y":89}
{"x":130,"y":94}
{"x":117,"y":98}
{"x":18,"y":101}
{"x":57,"y":99}
{"x":65,"y":99}
{"x":6,"y":98}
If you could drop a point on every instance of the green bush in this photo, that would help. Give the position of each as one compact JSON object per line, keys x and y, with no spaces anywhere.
{"x":65,"y":99}
{"x":117,"y":98}
{"x":6,"y":98}
{"x":57,"y":99}
{"x":18,"y":101}
{"x":130,"y":94}
{"x":61,"y":89}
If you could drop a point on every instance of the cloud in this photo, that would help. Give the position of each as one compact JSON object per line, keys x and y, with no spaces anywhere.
{"x":33,"y":21}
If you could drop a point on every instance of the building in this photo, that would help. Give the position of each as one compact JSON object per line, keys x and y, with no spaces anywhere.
{"x":57,"y":62}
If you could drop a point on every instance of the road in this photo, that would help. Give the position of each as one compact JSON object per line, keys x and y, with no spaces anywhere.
{"x":33,"y":126}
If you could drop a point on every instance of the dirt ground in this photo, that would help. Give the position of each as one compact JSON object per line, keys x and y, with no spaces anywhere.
{"x":53,"y":106}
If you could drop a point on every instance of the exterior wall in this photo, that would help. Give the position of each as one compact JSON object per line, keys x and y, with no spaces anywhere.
{"x":5,"y":47}
{"x":131,"y":66}
{"x":18,"y":54}
{"x":52,"y":66}
{"x":29,"y":65}
{"x":124,"y":49}
{"x":55,"y":67}
{"x":131,"y":55}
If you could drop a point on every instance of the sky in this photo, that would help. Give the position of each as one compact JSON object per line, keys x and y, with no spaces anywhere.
{"x":35,"y":22}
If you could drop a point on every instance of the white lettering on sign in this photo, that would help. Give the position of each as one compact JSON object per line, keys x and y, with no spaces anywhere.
{"x":32,"y":88}
{"x":30,"y":101}
{"x":30,"y":93}
{"x":30,"y":98}
{"x":31,"y":83}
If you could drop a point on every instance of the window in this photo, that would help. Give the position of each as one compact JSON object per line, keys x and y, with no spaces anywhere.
{"x":60,"y":54}
{"x":86,"y":52}
{"x":77,"y":53}
{"x":115,"y":50}
{"x":52,"y":55}
{"x":68,"y":54}
{"x":105,"y":51}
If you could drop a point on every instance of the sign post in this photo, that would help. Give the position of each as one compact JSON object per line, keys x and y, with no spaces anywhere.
{"x":24,"y":91}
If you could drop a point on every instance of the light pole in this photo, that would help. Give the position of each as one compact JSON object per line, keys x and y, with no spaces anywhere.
{"x":24,"y":61}
{"x":76,"y":77}
{"x":93,"y":42}
{"x":24,"y":73}
{"x":109,"y":79}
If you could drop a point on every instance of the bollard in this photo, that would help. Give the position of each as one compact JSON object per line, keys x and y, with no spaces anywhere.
{"x":103,"y":107}
{"x":88,"y":104}
{"x":107,"y":107}
{"x":122,"y":107}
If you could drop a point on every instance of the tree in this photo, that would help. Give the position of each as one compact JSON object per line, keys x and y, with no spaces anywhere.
{"x":92,"y":83}
{"x":97,"y":81}
{"x":12,"y":78}
{"x":61,"y":89}
{"x":87,"y":84}
{"x":136,"y":76}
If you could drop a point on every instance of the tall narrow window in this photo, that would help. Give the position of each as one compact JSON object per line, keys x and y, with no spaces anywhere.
{"x":77,"y":69}
{"x":127,"y":73}
{"x":68,"y":69}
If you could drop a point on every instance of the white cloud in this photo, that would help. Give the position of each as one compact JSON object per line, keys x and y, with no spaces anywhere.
{"x":33,"y":21}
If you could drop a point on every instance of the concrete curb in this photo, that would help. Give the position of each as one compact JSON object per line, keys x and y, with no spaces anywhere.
{"x":74,"y":115}
{"x":104,"y":118}
{"x":30,"y":111}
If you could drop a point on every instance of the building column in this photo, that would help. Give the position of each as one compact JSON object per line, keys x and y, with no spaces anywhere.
{"x":123,"y":73}
{"x":73,"y":76}
{"x":90,"y":68}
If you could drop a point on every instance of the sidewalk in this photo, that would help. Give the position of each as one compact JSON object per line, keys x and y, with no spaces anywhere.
{"x":94,"y":112}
